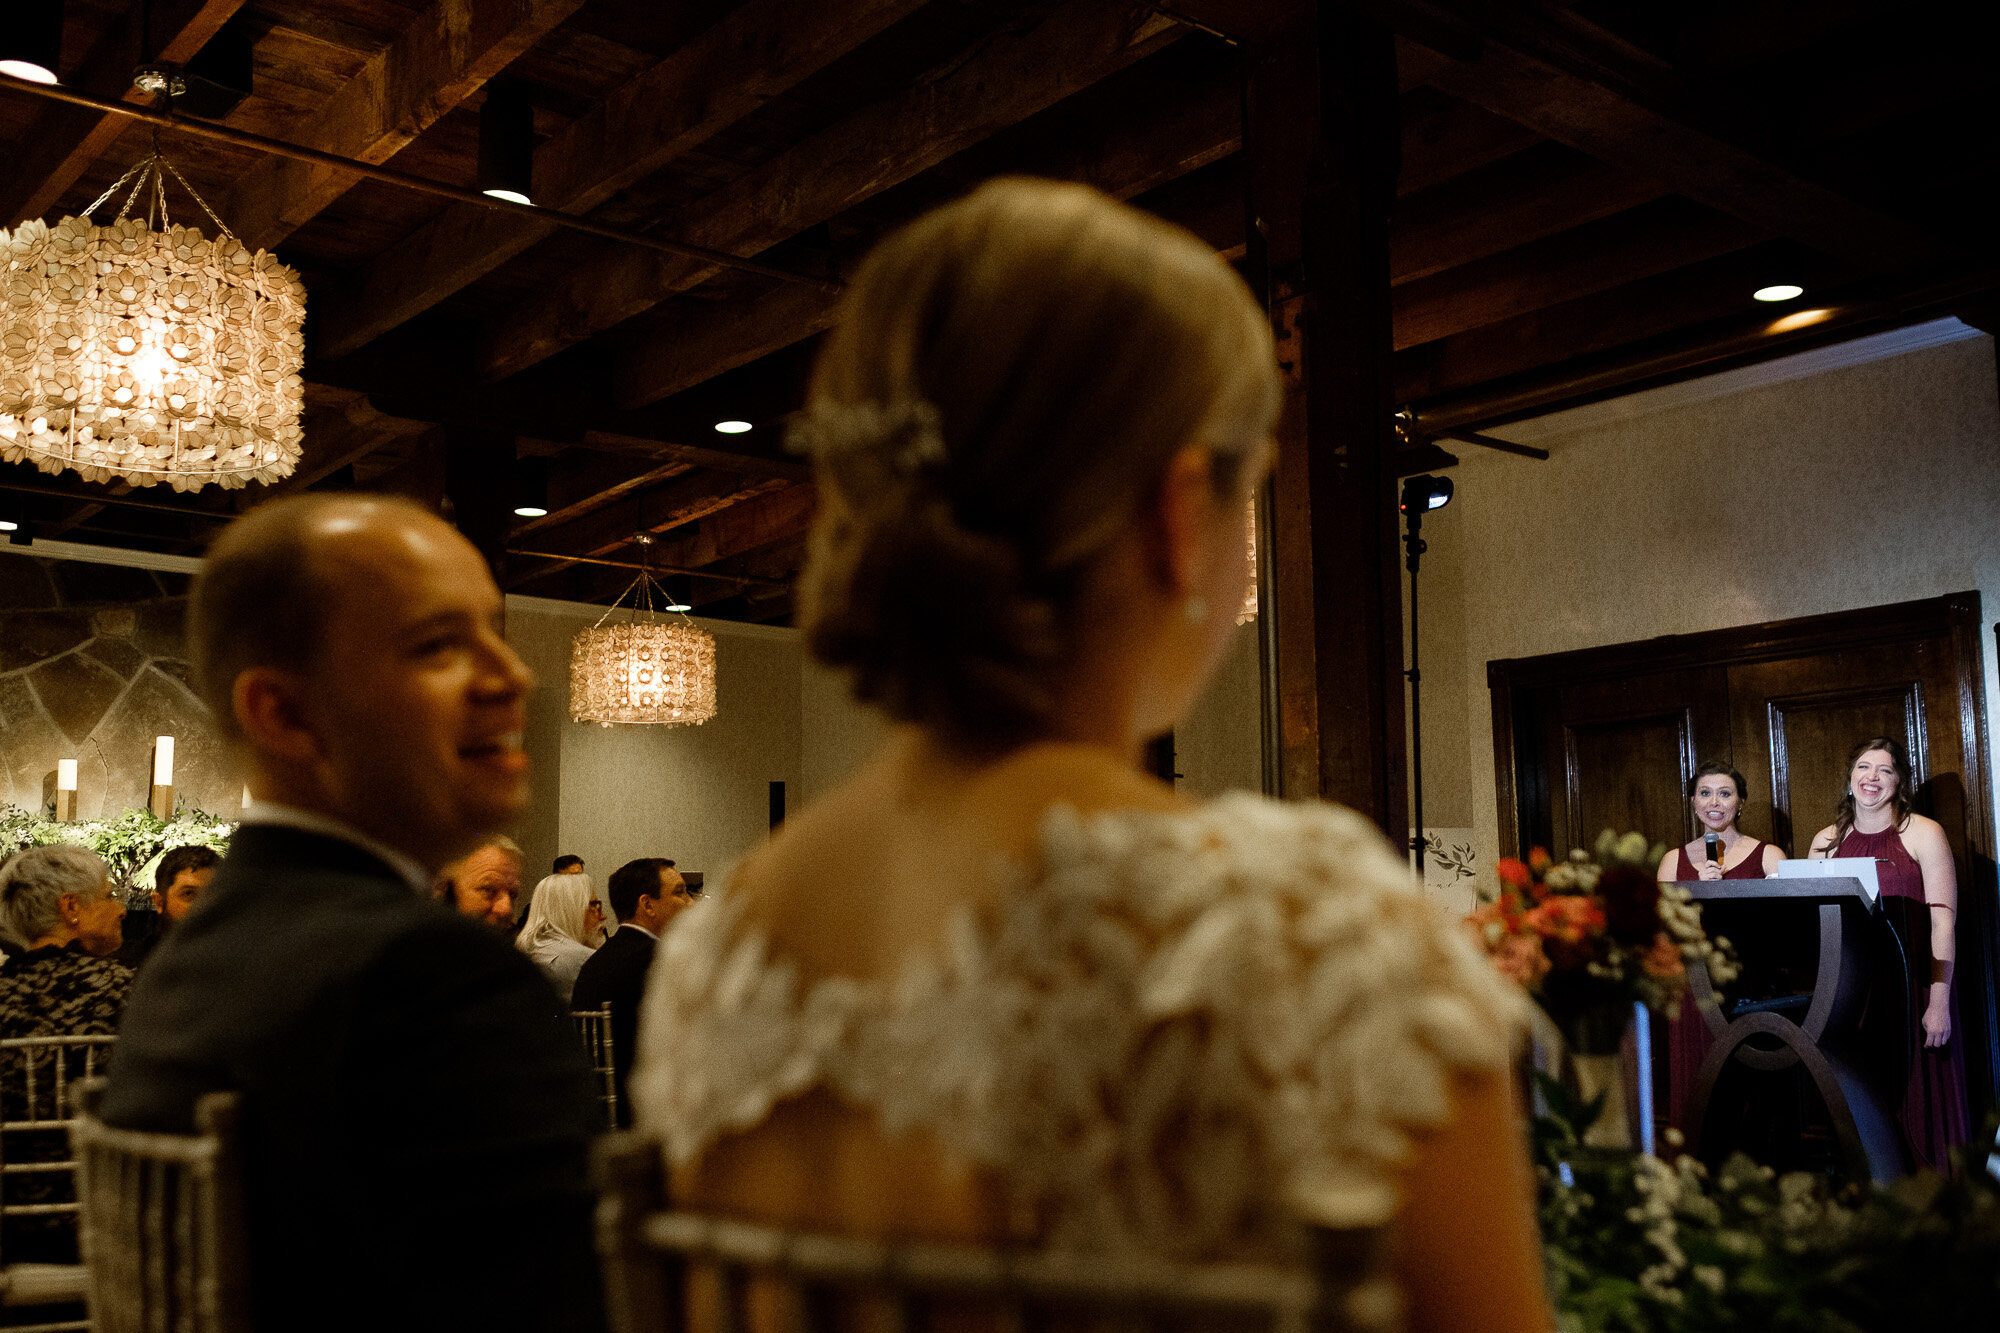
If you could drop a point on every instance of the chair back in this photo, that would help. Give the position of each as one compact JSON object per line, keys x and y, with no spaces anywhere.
{"x":39,"y":1081}
{"x":677,"y":1272}
{"x":163,"y":1222}
{"x":39,"y":1078}
{"x":594,"y":1027}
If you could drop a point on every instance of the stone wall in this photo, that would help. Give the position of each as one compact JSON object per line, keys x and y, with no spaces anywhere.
{"x":92,"y":669}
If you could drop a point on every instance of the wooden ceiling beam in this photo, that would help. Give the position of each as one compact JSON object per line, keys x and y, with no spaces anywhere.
{"x":752,"y":55}
{"x":1726,"y":341}
{"x":62,"y":142}
{"x":340,"y":434}
{"x":1578,"y":85}
{"x":1654,"y":238}
{"x":592,"y":483}
{"x":606,"y":531}
{"x":449,"y":50}
{"x":1600,"y":324}
{"x":726,"y":538}
{"x":1153,"y":127}
{"x":1006,"y":80}
{"x":1541,"y":192}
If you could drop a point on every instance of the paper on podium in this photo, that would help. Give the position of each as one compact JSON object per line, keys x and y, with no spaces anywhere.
{"x":1836,"y":867}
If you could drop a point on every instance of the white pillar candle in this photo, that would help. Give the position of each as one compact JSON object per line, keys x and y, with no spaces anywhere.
{"x":163,"y":761}
{"x":65,"y":775}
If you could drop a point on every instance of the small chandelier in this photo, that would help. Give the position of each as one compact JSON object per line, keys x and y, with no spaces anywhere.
{"x":148,"y":353}
{"x":647,"y":671}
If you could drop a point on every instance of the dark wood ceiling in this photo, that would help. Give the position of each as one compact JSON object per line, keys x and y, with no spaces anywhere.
{"x":1588,"y":195}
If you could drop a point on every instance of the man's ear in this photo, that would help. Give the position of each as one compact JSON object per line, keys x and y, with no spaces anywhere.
{"x":1176,"y":524}
{"x":159,"y":901}
{"x":270,"y":708}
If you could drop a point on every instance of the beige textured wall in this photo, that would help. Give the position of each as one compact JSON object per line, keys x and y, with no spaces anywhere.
{"x":697,"y":794}
{"x":1787,"y":490}
{"x":1219,"y":745}
{"x":700,"y":795}
{"x":836,"y":734}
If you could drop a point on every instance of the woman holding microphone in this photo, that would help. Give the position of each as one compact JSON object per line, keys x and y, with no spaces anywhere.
{"x":1715,"y":793}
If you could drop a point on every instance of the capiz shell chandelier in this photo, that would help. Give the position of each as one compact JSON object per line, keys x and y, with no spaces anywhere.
{"x":646,"y":671}
{"x":151,"y":354}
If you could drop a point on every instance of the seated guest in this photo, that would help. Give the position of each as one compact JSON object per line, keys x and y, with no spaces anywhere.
{"x":568,"y":865}
{"x":562,"y":929}
{"x":1716,"y":794}
{"x":1002,"y":985}
{"x":177,"y":882}
{"x":645,"y":895}
{"x":61,"y":922}
{"x":416,"y":1115}
{"x":484,"y":883}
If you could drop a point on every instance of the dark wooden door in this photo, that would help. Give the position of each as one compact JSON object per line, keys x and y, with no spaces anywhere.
{"x":1607,"y":738}
{"x":1795,"y":721}
{"x":1619,"y":752}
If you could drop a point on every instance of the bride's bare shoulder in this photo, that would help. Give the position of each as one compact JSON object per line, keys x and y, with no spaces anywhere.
{"x":876,"y":865}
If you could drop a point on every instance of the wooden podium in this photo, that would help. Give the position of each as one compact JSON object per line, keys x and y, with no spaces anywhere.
{"x":1826,"y":1041}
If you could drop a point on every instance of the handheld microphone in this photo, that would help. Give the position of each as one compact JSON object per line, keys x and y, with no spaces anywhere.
{"x":1714,"y":848}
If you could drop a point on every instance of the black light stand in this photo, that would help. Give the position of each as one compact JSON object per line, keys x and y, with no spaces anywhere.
{"x":1420,"y":496}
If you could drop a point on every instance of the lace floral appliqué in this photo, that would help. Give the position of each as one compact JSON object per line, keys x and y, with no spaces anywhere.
{"x":1182,"y":1035}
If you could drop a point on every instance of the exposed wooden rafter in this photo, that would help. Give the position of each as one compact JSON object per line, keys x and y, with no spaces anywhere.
{"x":1579,"y":86}
{"x":1148,"y":127}
{"x":754,"y":54}
{"x":449,"y":50}
{"x":62,"y":142}
{"x":1010,"y":78}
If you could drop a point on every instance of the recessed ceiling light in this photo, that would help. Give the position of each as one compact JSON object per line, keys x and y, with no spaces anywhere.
{"x":530,"y":511}
{"x":29,"y":70}
{"x":511,"y":196}
{"x":732,"y":427}
{"x":8,"y":525}
{"x":1782,"y":291}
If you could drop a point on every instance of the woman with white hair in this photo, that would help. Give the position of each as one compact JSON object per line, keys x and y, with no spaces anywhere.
{"x":561,"y":928}
{"x":61,"y":923}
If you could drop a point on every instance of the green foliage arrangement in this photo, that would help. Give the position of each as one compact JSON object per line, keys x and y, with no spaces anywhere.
{"x":130,"y":844}
{"x":1639,"y":1245}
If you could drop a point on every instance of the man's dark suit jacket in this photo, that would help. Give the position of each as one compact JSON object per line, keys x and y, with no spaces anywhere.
{"x":416,"y":1111}
{"x":617,"y":972}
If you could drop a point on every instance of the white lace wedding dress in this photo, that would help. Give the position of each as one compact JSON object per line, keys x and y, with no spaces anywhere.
{"x":1181,"y":1035}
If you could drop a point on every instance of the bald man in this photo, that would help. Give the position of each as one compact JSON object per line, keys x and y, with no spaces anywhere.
{"x":415,"y":1112}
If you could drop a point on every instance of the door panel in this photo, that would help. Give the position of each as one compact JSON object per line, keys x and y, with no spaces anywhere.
{"x":1625,"y":773}
{"x":1622,"y":753}
{"x":1810,"y":736}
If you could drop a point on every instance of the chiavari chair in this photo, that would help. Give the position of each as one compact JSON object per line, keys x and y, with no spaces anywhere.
{"x":667,"y":1271}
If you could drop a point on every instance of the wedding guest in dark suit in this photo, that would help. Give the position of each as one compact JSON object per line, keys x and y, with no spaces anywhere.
{"x":645,"y":895}
{"x":178,"y":882}
{"x":416,"y":1113}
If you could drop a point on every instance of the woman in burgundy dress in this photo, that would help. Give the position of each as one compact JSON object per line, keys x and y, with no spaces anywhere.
{"x":1920,"y":898}
{"x":1715,"y":794}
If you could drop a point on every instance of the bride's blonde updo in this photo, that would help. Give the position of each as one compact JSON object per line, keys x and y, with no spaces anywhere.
{"x":1007,"y":381}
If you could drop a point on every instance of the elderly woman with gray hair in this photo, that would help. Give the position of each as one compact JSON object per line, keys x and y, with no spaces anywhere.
{"x":61,"y":923}
{"x":561,"y":929}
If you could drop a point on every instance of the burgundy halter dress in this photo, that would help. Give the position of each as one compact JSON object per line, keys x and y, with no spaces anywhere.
{"x":1688,"y":1037}
{"x":1934,"y":1112}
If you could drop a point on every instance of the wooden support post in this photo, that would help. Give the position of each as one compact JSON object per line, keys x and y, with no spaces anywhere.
{"x":479,"y":486}
{"x":1320,"y":139}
